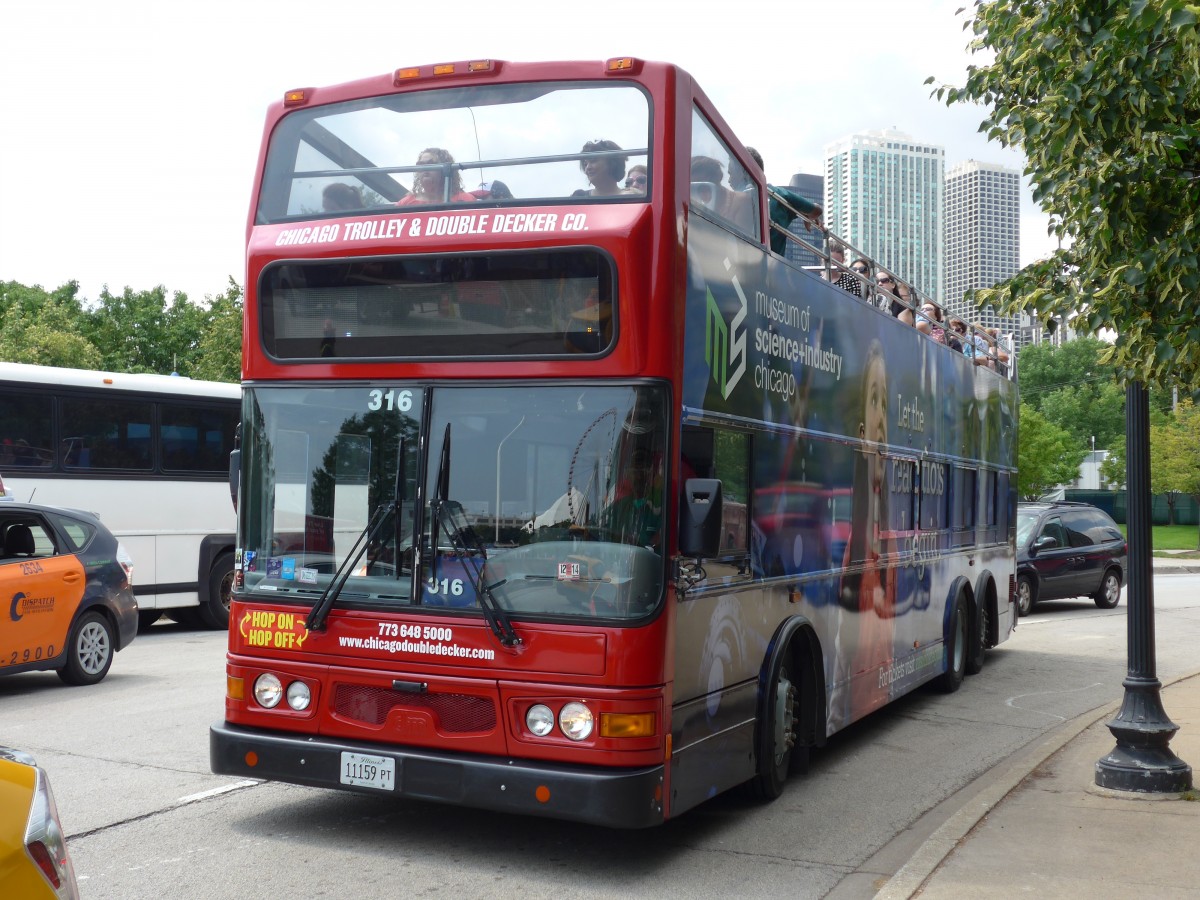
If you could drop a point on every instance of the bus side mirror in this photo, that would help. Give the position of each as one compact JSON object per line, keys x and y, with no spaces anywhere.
{"x":700,"y":518}
{"x":235,"y":475}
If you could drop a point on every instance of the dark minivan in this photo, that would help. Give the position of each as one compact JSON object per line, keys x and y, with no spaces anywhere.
{"x":1068,"y":550}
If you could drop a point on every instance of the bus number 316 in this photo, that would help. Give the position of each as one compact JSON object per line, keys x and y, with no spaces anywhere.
{"x":390,"y":400}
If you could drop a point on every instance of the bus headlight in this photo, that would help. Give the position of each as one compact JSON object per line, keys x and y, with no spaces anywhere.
{"x":575,"y":720}
{"x":268,"y":690}
{"x":540,"y":720}
{"x":298,"y":695}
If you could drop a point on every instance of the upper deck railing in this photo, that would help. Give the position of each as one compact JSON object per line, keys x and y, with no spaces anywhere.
{"x":987,"y":349}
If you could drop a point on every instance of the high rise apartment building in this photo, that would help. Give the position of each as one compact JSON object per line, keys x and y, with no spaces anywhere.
{"x":983,"y":240}
{"x":884,"y":194}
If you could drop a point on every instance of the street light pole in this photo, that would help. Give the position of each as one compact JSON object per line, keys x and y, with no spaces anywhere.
{"x":1142,"y":760}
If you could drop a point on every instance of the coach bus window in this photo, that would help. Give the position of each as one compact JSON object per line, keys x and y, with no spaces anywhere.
{"x":195,"y":438}
{"x":711,"y":191}
{"x":25,"y":423}
{"x":107,"y":434}
{"x":518,"y":304}
{"x":364,"y":157}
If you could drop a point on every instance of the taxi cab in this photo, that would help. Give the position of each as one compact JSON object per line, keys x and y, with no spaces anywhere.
{"x":33,"y":853}
{"x":66,"y":593}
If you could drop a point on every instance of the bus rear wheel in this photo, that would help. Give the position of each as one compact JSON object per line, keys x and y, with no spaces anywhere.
{"x":956,"y":647}
{"x":214,"y":611}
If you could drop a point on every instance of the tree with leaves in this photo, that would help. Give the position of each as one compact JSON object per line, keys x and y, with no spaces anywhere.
{"x":1103,"y":98}
{"x":44,"y":328}
{"x":1175,"y":457}
{"x":1047,"y":456}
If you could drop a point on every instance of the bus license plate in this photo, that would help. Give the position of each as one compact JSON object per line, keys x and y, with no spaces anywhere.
{"x":377,"y":772}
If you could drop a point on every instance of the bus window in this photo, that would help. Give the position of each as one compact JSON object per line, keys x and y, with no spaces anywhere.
{"x":25,"y":423}
{"x":732,"y":467}
{"x":356,"y":158}
{"x":711,"y":167}
{"x":108,"y":434}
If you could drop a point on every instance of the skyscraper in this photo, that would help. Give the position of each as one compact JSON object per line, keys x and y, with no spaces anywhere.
{"x":983,"y":239}
{"x":883,"y":194}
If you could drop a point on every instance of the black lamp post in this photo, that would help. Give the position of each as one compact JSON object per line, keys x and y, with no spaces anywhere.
{"x":1142,"y":760}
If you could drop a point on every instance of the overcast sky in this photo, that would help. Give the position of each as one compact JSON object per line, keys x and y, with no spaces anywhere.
{"x":129,"y":130}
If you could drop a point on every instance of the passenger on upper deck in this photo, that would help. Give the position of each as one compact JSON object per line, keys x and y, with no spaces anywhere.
{"x":929,"y":321}
{"x":636,"y":180}
{"x":838,"y":274}
{"x":604,"y":173}
{"x":429,"y":185}
{"x":780,"y":214}
{"x":709,"y":191}
{"x":339,"y":197}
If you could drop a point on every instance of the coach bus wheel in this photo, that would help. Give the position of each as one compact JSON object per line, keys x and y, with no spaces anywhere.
{"x":956,"y":648}
{"x":777,"y":737}
{"x":90,"y":650}
{"x":214,"y":611}
{"x":147,"y":617}
{"x":1026,"y":595}
{"x":978,"y":642}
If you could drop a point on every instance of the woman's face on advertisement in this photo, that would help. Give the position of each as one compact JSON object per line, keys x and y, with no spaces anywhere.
{"x":875,"y":403}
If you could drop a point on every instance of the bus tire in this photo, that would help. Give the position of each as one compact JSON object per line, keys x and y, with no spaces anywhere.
{"x":957,"y":638}
{"x":214,"y":611}
{"x":777,"y":738}
{"x":978,"y":638}
{"x":147,"y":617}
{"x":90,"y":649}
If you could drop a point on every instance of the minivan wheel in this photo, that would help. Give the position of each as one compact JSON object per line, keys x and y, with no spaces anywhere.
{"x":1109,"y":594}
{"x":1026,"y":595}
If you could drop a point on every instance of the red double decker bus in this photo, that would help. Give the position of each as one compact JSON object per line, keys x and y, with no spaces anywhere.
{"x":562,"y":494}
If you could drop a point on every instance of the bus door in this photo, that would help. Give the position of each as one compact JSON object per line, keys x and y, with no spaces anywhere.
{"x":41,"y":591}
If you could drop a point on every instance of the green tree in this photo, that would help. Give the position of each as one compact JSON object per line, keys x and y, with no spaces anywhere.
{"x":43,"y":328}
{"x":1175,"y":457}
{"x":1047,"y":456}
{"x":1103,"y":98}
{"x":139,"y":331}
{"x":219,"y":349}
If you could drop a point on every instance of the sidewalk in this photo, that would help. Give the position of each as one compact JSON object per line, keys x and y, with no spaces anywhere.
{"x":1040,"y":827}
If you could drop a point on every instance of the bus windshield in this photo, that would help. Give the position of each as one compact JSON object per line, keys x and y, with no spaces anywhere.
{"x":488,"y":144}
{"x":551,"y":498}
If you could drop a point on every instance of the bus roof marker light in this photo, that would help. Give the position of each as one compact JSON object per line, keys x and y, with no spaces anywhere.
{"x":297,"y":97}
{"x":481,"y":65}
{"x":406,"y":74}
{"x":443,"y":69}
{"x":622,"y":64}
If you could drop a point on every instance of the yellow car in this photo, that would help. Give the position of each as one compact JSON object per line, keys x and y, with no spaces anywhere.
{"x":33,"y":853}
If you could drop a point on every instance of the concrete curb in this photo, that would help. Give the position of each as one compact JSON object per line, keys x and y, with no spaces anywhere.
{"x":913,"y":875}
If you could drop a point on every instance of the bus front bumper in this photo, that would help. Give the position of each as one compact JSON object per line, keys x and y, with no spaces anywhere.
{"x":616,"y":798}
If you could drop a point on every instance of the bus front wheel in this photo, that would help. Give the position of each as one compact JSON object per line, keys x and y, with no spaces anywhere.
{"x":214,"y":611}
{"x":777,"y":738}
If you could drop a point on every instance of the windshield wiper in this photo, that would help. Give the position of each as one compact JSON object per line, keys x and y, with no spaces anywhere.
{"x":468,"y":549}
{"x":320,"y":612}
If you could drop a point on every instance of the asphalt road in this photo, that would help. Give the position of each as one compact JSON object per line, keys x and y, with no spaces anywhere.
{"x":145,"y":818}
